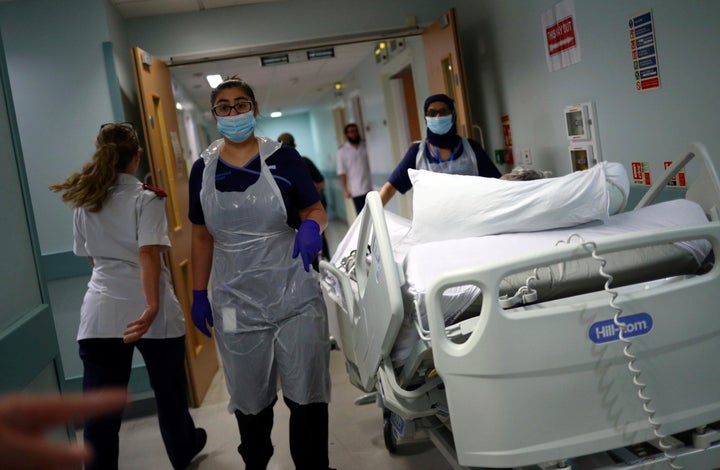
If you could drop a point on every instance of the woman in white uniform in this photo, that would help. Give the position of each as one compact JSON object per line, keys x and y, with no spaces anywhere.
{"x":120,"y":225}
{"x":257,"y":220}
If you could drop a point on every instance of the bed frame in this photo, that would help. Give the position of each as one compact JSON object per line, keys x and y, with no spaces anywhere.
{"x":527,"y":386}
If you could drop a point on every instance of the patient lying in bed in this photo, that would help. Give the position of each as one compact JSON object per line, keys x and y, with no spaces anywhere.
{"x":422,"y":261}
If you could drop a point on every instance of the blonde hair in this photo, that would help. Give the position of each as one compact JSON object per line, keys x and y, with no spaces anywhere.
{"x":115,"y":147}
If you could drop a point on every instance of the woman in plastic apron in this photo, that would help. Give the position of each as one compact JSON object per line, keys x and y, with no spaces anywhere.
{"x":444,"y":151}
{"x":267,"y":309}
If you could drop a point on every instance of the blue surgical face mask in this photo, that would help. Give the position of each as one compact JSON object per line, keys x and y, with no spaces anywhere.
{"x":439,"y":125}
{"x":236,"y":128}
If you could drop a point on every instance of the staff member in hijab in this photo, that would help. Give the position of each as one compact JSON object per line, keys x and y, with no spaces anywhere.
{"x":257,"y":220}
{"x":443,"y":151}
{"x":121,"y":226}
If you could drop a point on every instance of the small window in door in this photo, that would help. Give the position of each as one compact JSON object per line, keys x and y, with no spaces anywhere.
{"x":448,"y":74}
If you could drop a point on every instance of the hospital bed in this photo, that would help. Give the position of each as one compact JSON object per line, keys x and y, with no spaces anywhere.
{"x":602,"y":375}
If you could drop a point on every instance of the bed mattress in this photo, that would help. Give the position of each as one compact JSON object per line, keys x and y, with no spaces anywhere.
{"x":422,"y":261}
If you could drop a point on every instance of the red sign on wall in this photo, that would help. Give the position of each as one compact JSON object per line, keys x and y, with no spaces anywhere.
{"x":641,"y":173}
{"x":560,"y":36}
{"x":679,"y":179}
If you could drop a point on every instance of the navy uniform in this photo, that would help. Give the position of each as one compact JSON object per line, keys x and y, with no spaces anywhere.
{"x":132,"y":216}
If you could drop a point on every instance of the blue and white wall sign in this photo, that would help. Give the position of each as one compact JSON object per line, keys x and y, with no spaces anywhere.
{"x":606,"y":331}
{"x":644,"y":51}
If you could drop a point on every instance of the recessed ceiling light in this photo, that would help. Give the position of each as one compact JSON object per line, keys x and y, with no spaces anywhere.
{"x":275,"y":114}
{"x":214,"y":80}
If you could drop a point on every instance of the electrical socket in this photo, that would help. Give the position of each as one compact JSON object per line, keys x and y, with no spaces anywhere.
{"x":526,"y":157}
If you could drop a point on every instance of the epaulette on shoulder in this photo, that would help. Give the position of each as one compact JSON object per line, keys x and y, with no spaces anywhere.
{"x":158,"y":192}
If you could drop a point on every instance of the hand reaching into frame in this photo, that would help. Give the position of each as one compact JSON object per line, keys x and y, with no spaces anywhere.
{"x":25,"y":419}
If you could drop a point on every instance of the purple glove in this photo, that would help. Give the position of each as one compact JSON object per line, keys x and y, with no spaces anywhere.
{"x":308,"y":242}
{"x":201,"y":311}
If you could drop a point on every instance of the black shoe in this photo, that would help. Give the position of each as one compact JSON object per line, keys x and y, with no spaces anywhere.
{"x":200,"y":441}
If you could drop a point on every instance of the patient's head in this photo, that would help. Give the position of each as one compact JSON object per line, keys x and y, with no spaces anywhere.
{"x":523,"y":174}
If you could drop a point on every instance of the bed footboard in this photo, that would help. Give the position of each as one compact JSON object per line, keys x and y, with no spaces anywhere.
{"x":379,"y":281}
{"x":550,"y":381}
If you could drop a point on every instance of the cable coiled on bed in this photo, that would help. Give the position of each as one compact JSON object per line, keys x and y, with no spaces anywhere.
{"x":634,"y":370}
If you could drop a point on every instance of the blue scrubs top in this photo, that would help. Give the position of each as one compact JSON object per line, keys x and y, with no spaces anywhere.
{"x":400,"y":180}
{"x":289,"y":172}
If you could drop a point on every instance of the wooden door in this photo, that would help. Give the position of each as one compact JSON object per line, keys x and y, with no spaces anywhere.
{"x":445,"y":70}
{"x":169,"y":171}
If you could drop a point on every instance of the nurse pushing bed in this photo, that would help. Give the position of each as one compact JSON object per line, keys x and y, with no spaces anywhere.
{"x":443,"y":151}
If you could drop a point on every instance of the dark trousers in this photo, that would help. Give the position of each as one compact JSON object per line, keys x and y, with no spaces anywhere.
{"x":308,"y":436}
{"x":107,"y":362}
{"x":359,"y":202}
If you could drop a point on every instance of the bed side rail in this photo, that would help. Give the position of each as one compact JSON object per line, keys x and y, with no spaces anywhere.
{"x":489,"y":276}
{"x":550,"y":389}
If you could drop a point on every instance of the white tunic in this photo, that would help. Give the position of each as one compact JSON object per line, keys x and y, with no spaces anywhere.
{"x":353,"y":162}
{"x":131,"y":217}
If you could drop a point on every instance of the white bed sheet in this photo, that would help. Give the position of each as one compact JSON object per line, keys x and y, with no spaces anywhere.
{"x":422,"y":261}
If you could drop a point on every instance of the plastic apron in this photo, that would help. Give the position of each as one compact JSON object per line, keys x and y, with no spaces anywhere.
{"x":464,"y":164}
{"x":269,"y":313}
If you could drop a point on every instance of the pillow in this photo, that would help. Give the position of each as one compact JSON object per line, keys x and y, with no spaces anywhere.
{"x":458,"y":206}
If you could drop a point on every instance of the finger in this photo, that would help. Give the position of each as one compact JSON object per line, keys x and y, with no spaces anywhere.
{"x":131,"y":338}
{"x":133,"y":334}
{"x":135,"y":322}
{"x":41,"y":412}
{"x":203,"y":329}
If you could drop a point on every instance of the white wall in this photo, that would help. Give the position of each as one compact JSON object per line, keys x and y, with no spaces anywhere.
{"x":296,"y":124}
{"x":504,"y":55}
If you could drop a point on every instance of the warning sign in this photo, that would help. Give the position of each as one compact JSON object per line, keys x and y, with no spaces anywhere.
{"x":677,"y":180}
{"x":507,"y":134}
{"x":644,"y":51}
{"x":641,"y":173}
{"x":561,"y":41}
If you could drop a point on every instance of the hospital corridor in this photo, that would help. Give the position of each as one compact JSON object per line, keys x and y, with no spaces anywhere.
{"x":519,"y":270}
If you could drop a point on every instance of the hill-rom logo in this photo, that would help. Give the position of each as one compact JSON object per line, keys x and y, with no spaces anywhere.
{"x":606,"y":331}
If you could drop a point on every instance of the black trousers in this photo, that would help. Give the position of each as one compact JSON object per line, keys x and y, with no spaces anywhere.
{"x":308,"y":436}
{"x":107,"y":362}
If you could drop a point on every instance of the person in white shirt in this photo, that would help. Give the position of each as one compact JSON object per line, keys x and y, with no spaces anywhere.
{"x":353,"y":167}
{"x":121,"y":226}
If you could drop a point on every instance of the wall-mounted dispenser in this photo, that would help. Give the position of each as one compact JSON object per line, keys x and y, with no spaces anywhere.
{"x":582,"y":134}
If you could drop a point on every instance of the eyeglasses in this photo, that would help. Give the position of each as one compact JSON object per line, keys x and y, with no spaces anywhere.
{"x":438,"y":112}
{"x":126,"y":124}
{"x":240,"y":107}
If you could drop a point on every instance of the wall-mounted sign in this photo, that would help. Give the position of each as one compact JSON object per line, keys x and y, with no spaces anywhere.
{"x":641,"y":173}
{"x":677,"y":180}
{"x":562,"y":48}
{"x":644,"y":51}
{"x":507,"y":134}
